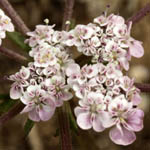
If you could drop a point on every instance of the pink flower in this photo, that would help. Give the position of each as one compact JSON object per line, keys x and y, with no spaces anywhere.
{"x":126,"y":119}
{"x":5,"y":25}
{"x":101,"y":20}
{"x":15,"y":91}
{"x":39,"y":105}
{"x":57,"y":88}
{"x":42,"y":33}
{"x":135,"y":48}
{"x":90,"y":111}
{"x":73,"y":72}
{"x":83,"y":32}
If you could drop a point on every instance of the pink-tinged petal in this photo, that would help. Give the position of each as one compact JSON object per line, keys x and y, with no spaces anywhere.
{"x":79,"y":94}
{"x":136,"y":99}
{"x":32,"y":89}
{"x":15,"y":92}
{"x":125,"y":138}
{"x":2,"y":34}
{"x":84,"y":120}
{"x":72,"y":69}
{"x":49,"y":101}
{"x":79,"y":110}
{"x":25,"y":73}
{"x":67,"y":96}
{"x":27,"y":108}
{"x":33,"y":115}
{"x":26,"y":99}
{"x":46,"y":112}
{"x":136,"y":49}
{"x":10,"y":28}
{"x":97,"y":97}
{"x":135,"y":120}
{"x":58,"y":102}
{"x":129,"y":27}
{"x":97,"y":124}
{"x":124,"y":63}
{"x":117,"y":20}
{"x":107,"y":119}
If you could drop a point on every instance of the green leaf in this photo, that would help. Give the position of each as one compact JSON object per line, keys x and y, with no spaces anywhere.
{"x":73,"y":124}
{"x":57,"y":133}
{"x":28,"y":126}
{"x":4,"y":96}
{"x":18,"y":38}
{"x":6,"y":105}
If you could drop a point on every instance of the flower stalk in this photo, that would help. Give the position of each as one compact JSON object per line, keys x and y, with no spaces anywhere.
{"x":13,"y":55}
{"x":144,"y":87}
{"x":140,"y":14}
{"x":63,"y":118}
{"x":10,"y":114}
{"x":14,"y":16}
{"x":63,"y":112}
{"x":67,"y":14}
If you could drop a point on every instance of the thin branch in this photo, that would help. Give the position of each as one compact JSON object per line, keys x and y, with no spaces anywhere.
{"x":140,"y":14}
{"x":14,"y":16}
{"x":66,"y":142}
{"x":10,"y":114}
{"x":63,"y":114}
{"x":144,"y":87}
{"x":13,"y":55}
{"x":67,"y":14}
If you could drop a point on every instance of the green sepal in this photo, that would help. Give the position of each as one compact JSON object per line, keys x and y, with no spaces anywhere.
{"x":28,"y":126}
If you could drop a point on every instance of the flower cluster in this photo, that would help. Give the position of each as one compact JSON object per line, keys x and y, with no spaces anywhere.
{"x":107,"y":39}
{"x":107,"y":98}
{"x":42,"y":85}
{"x":5,"y":25}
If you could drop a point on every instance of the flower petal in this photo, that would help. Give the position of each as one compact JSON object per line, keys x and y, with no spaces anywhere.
{"x":97,"y":124}
{"x":46,"y":112}
{"x":79,"y":110}
{"x":136,"y":49}
{"x":136,"y":99}
{"x":135,"y":120}
{"x":27,"y":108}
{"x":15,"y":91}
{"x":72,"y":69}
{"x":67,"y":96}
{"x":125,"y":138}
{"x":107,"y":119}
{"x":84,"y":120}
{"x":33,"y":115}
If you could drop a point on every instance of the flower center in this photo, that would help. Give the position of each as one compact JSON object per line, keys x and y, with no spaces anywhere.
{"x":45,"y":58}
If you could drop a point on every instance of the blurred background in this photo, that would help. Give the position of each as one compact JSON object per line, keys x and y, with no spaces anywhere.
{"x":43,"y":135}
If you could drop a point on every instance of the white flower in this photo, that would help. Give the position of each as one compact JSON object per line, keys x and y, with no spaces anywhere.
{"x":5,"y":25}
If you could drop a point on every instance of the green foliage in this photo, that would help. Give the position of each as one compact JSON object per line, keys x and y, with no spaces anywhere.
{"x":18,"y":38}
{"x":4,"y":96}
{"x":73,"y":124}
{"x":57,"y":133}
{"x":6,"y":104}
{"x":28,"y":126}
